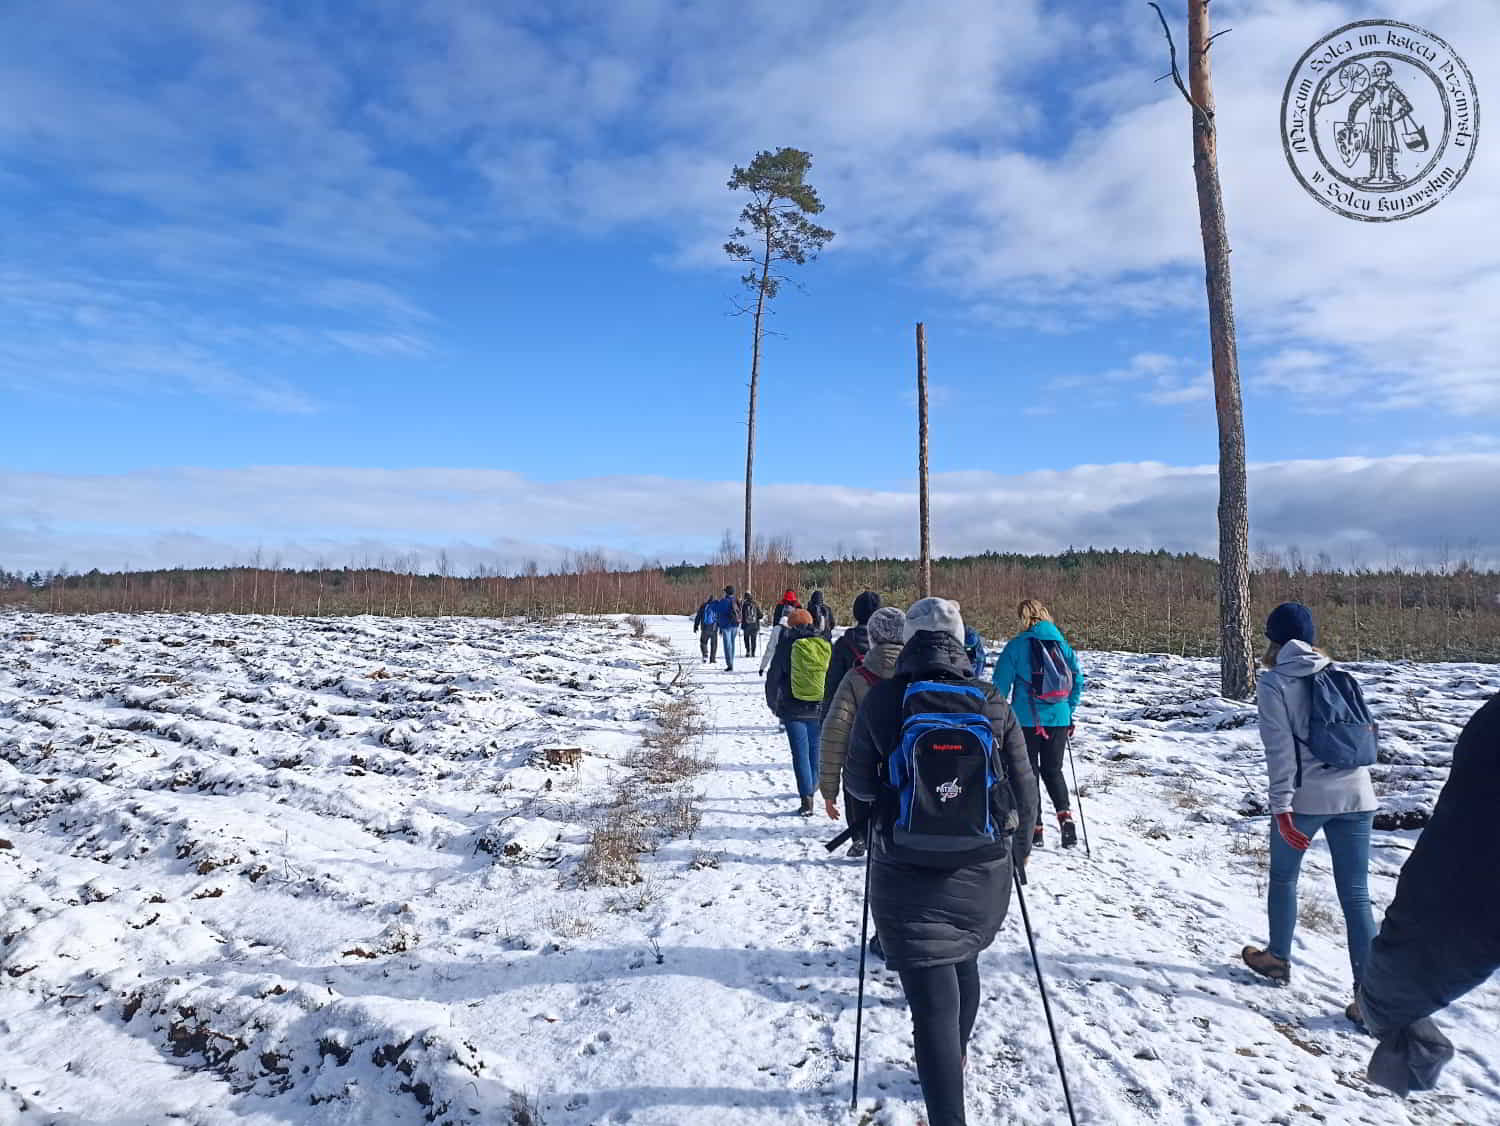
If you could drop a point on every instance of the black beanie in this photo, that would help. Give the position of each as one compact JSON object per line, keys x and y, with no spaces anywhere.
{"x":865,"y":605}
{"x":1291,"y":621}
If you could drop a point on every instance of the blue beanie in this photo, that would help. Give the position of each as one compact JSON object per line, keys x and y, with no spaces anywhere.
{"x":1291,"y":621}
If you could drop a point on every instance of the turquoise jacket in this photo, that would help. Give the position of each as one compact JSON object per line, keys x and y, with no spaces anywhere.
{"x":1013,"y":677}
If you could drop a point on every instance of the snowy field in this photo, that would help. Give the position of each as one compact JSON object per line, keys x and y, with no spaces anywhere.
{"x":264,"y":870}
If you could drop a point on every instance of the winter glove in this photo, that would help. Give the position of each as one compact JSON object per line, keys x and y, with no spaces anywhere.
{"x":1293,"y":836}
{"x":1411,"y":1058}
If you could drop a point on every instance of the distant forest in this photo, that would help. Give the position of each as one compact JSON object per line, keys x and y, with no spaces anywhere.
{"x":1136,"y":601}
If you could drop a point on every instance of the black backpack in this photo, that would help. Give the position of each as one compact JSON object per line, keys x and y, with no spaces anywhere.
{"x":750,"y":614}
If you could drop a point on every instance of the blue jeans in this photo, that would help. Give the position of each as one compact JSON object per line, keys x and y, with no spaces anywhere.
{"x":1349,"y":847}
{"x":802,"y":735}
{"x":728,"y":634}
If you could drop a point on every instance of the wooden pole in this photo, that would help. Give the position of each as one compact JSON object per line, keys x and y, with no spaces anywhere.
{"x":926,"y":529}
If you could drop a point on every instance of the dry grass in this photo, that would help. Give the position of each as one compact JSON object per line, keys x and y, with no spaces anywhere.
{"x":637,"y":625}
{"x":1319,"y":913}
{"x":615,"y":846}
{"x":672,"y":751}
{"x":1143,"y":826}
{"x":1187,"y":795}
{"x":678,"y":814}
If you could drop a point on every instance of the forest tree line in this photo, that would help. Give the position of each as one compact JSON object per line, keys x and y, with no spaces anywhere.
{"x":1134,"y":601}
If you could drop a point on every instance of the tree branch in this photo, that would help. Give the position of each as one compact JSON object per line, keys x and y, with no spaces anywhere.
{"x":1176,"y":75}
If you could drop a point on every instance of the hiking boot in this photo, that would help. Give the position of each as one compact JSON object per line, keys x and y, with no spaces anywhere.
{"x":1267,"y":964}
{"x":1069,"y":830}
{"x":1037,"y":840}
{"x":806,"y":808}
{"x":857,"y":849}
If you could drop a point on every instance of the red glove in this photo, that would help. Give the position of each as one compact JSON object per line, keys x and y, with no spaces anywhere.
{"x":1290,"y":833}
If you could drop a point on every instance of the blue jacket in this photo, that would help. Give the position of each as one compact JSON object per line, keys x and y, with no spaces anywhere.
{"x":1013,"y":676}
{"x":726,"y":612}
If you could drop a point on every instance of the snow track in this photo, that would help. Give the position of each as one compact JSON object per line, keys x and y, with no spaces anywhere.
{"x":314,"y":871}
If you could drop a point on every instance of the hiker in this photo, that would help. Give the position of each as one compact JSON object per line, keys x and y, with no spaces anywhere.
{"x":974,"y":647}
{"x":787,"y":604}
{"x":1308,"y":793}
{"x":822,"y":616}
{"x":794,"y":692}
{"x":850,"y":646}
{"x":750,"y":619}
{"x":1441,"y":934}
{"x":1039,"y":671}
{"x":707,"y":630}
{"x":885,"y":634}
{"x":937,"y":901}
{"x":727,"y":615}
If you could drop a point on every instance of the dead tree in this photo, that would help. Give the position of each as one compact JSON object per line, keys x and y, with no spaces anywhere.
{"x":1236,"y":660}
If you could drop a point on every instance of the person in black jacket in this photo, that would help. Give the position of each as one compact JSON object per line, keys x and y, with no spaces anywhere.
{"x":802,"y":718}
{"x":751,"y":615}
{"x":707,"y":630}
{"x":822,"y":616}
{"x":1441,"y":935}
{"x":933,"y":922}
{"x":851,"y":646}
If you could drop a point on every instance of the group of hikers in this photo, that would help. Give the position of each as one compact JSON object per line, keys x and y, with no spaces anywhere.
{"x":937,"y":768}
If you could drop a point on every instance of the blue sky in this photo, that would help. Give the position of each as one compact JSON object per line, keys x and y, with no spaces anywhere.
{"x":298,"y":276}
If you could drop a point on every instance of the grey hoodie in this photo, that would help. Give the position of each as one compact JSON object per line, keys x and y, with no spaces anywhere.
{"x":838,"y":721}
{"x":1285,"y":701}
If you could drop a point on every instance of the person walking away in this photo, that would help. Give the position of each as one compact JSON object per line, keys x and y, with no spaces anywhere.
{"x":707,"y":630}
{"x":850,"y":648}
{"x":822,"y":616}
{"x":944,"y":846}
{"x":974,"y":647}
{"x":1299,"y":722}
{"x":727,"y":615}
{"x":1441,"y":934}
{"x":885,"y":630}
{"x":751,"y":616}
{"x":787,"y":604}
{"x":794,"y":692}
{"x":1039,"y":671}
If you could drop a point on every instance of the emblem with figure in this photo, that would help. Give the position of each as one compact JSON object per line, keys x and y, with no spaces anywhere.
{"x":1380,"y":120}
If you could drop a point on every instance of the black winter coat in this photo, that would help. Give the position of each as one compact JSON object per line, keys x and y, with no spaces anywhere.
{"x":751,"y":614}
{"x":779,"y":696}
{"x":822,"y":616}
{"x":848,"y":651}
{"x":1441,"y":935}
{"x":926,"y":916}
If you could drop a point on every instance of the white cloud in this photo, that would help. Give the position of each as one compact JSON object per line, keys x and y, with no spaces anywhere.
{"x":1415,"y":506}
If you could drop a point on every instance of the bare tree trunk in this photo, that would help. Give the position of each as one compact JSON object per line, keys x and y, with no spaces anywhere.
{"x":760,"y":311}
{"x":923,"y":516}
{"x":1236,"y":661}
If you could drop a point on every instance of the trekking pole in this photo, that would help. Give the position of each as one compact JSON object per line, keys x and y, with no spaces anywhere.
{"x":1041,"y":985}
{"x":1082,"y":821}
{"x":864,"y":946}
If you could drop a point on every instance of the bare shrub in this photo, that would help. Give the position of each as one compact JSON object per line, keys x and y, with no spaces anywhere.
{"x":1187,"y":795}
{"x":1317,"y":913}
{"x":1143,"y":826}
{"x":637,"y":625}
{"x":526,"y":1109}
{"x":678,"y":814}
{"x":670,"y":751}
{"x":614,"y":846}
{"x":1252,"y":846}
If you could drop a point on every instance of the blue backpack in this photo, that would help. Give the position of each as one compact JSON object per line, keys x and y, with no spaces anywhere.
{"x":708,"y":619}
{"x":1340,"y":731}
{"x":949,"y":798}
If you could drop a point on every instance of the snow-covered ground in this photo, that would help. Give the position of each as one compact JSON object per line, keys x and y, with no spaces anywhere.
{"x":263,"y":870}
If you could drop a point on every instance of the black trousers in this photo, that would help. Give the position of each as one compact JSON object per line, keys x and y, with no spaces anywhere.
{"x":752,"y":638}
{"x":1046,"y":755}
{"x":944,"y":1001}
{"x":708,"y":641}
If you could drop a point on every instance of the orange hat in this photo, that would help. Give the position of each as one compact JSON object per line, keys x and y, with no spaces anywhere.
{"x":799,"y":618}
